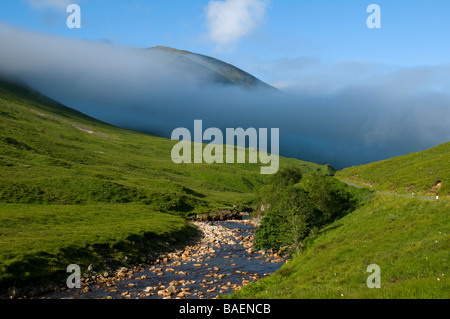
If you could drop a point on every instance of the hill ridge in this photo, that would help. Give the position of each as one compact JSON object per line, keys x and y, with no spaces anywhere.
{"x":222,"y":70}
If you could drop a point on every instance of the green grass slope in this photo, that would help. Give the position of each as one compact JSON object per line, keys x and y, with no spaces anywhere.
{"x":426,"y":172}
{"x":38,"y":242}
{"x":408,"y":238}
{"x":74,"y":189}
{"x":51,"y":154}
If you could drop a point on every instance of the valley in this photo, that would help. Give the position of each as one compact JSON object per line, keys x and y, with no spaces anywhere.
{"x":75,"y":190}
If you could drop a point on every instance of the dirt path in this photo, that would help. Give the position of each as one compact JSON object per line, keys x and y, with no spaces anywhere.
{"x":394,"y":194}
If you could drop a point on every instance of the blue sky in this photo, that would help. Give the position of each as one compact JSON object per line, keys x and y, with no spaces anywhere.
{"x":414,"y":32}
{"x":283,"y":32}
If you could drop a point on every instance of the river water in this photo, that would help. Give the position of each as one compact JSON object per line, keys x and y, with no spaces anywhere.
{"x":222,"y":261}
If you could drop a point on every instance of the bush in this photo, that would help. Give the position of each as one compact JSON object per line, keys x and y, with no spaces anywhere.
{"x":271,"y":234}
{"x":330,"y":196}
{"x":271,"y":195}
{"x":297,"y":210}
{"x":289,"y":222}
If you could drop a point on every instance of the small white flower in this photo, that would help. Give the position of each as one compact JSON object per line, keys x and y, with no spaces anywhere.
{"x":342,"y":295}
{"x":438,"y":279}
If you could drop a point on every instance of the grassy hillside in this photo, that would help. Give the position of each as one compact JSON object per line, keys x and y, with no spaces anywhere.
{"x":426,"y":172}
{"x":75,"y":189}
{"x":408,"y":238}
{"x":51,"y":154}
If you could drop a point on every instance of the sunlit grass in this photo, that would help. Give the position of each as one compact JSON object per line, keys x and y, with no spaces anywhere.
{"x":417,"y":172}
{"x":77,"y":190}
{"x":408,"y":239}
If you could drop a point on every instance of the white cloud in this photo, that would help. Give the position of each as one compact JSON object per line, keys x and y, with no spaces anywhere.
{"x":52,"y":4}
{"x":230,"y":20}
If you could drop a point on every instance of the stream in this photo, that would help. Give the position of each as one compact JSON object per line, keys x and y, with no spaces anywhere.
{"x":221,"y":262}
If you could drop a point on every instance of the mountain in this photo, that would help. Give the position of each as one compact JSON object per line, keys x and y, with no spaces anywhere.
{"x":77,"y":190}
{"x":210,"y":68}
{"x":425,"y":173}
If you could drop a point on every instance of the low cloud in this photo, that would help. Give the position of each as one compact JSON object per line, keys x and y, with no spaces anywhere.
{"x":230,"y":20}
{"x":344,"y":123}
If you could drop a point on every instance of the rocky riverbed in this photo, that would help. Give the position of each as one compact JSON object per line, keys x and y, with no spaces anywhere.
{"x":222,"y":261}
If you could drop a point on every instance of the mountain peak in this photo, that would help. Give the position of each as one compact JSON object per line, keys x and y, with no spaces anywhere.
{"x":169,"y":49}
{"x":215,"y":70}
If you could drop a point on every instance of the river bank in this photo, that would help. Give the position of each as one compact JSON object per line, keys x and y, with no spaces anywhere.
{"x":222,"y":260}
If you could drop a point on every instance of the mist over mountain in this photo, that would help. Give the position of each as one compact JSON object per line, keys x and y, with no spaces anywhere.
{"x":157,"y":90}
{"x":208,"y":68}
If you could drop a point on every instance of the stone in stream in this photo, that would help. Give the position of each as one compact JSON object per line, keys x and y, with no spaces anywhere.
{"x":86,"y":289}
{"x":200,"y":257}
{"x":172,"y":289}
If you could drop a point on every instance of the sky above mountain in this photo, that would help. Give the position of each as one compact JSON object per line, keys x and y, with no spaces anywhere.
{"x":355,"y":95}
{"x":281,"y":42}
